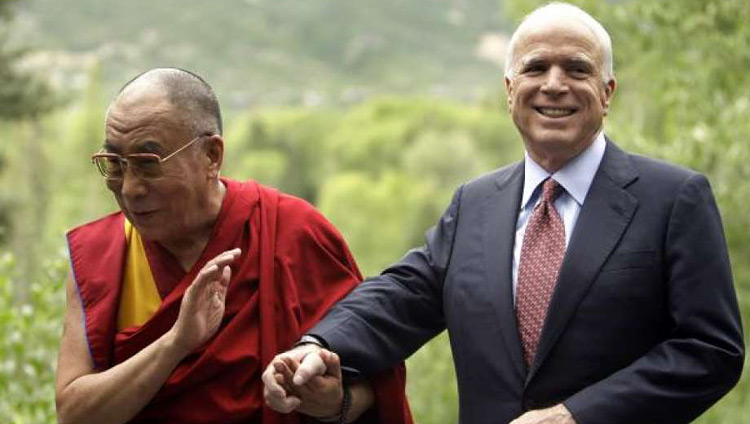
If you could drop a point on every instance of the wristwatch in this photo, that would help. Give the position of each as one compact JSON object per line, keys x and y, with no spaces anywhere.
{"x":310,"y":339}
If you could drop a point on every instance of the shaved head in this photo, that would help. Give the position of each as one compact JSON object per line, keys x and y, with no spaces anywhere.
{"x":189,"y":95}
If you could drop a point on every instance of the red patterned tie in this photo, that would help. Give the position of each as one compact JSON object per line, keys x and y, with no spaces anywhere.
{"x":541,"y":256}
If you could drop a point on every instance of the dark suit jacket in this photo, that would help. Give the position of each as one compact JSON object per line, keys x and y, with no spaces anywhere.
{"x":643,"y":326}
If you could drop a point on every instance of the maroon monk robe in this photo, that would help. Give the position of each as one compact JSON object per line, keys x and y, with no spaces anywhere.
{"x":294,"y":266}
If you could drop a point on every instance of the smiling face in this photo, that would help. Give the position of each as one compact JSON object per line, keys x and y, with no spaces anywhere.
{"x":175,"y":206}
{"x":556,"y":94}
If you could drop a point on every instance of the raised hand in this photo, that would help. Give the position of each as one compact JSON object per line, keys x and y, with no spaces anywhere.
{"x":203,"y":303}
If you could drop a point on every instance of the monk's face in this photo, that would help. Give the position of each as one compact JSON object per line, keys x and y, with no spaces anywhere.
{"x":173,"y":207}
{"x":556,"y":94}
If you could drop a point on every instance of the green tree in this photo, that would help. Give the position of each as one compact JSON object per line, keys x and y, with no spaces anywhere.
{"x":282,"y":148}
{"x":28,"y":310}
{"x":684,"y":97}
{"x":22,"y":94}
{"x":28,"y":347}
{"x":24,"y":98}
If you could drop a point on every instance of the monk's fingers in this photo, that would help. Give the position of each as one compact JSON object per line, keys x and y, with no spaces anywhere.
{"x":211,"y":283}
{"x":207,"y":275}
{"x":198,"y":287}
{"x":284,"y":404}
{"x":271,"y":383}
{"x":226,"y":275}
{"x":290,"y":363}
{"x":286,"y":367}
{"x":281,"y":381}
{"x":286,"y":383}
{"x":217,"y":301}
{"x":224,"y":258}
{"x":284,"y":375}
{"x":281,"y":369}
{"x":276,"y":395}
{"x":215,"y":269}
{"x":311,"y":365}
{"x":218,"y":290}
{"x":216,"y":273}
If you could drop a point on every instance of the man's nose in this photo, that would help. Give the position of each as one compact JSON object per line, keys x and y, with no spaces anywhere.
{"x":132,"y":185}
{"x":555,"y":81}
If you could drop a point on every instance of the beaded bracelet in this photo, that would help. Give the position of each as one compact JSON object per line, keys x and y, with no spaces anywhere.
{"x":346,"y":405}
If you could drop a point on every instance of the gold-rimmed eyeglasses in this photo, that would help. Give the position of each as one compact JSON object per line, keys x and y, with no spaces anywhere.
{"x":143,"y":165}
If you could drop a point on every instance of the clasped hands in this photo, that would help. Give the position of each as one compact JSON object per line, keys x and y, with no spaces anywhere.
{"x":306,"y":379}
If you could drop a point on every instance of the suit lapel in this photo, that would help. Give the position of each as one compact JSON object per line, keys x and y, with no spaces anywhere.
{"x":500,"y":214}
{"x":606,"y":213}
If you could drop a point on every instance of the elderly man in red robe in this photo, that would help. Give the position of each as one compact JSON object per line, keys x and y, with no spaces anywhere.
{"x":176,"y":303}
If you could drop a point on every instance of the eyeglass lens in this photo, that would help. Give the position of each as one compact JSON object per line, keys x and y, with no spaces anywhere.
{"x":146,"y":166}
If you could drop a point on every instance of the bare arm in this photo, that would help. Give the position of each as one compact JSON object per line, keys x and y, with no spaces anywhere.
{"x":116,"y":395}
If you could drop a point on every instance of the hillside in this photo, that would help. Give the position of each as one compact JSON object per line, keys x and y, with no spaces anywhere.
{"x":271,"y":52}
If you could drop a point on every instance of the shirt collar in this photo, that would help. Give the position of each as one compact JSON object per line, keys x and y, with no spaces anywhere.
{"x":575,"y":176}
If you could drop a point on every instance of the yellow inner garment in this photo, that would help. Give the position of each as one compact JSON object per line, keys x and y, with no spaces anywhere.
{"x":139,"y":299}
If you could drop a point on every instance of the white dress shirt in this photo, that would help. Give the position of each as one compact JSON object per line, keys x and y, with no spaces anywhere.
{"x":575,"y":177}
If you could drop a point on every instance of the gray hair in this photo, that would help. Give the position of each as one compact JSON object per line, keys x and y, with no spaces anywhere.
{"x":557,"y":11}
{"x":188,"y":93}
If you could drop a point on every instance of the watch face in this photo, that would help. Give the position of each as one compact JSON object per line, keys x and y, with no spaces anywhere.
{"x":308,"y":339}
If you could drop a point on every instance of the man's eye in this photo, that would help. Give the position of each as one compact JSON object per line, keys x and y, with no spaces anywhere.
{"x":148,"y":167}
{"x":534,"y":69}
{"x":112,"y":166}
{"x":579,"y":71}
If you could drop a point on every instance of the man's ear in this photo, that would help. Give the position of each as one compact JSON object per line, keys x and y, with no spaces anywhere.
{"x":609,"y":90}
{"x":509,"y":92}
{"x":214,"y":154}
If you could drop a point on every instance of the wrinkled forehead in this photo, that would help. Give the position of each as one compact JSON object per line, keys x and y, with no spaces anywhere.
{"x":148,"y":120}
{"x":139,"y":98}
{"x":139,"y":102}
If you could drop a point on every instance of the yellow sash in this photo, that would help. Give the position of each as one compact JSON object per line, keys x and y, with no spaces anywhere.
{"x":139,"y":298}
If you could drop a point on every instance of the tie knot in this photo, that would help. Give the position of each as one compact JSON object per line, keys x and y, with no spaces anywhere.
{"x":550,"y":190}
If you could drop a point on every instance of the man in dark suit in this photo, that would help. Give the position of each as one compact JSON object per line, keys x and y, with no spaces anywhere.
{"x":581,"y":285}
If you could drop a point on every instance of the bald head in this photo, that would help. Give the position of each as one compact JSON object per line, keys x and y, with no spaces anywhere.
{"x":557,"y":13}
{"x":187,"y":93}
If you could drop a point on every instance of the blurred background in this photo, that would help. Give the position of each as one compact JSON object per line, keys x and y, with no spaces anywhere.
{"x":375,"y":111}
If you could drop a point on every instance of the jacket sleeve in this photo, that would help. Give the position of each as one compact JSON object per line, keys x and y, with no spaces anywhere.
{"x":388,"y":317}
{"x":702,"y":357}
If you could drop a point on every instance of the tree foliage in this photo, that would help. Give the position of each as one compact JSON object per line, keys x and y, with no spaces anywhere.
{"x":281,"y":52}
{"x":22,"y":94}
{"x":28,"y":347}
